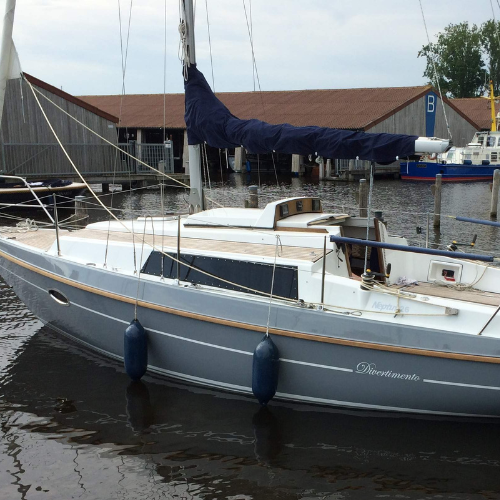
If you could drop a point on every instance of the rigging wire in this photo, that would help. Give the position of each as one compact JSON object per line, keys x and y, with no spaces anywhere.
{"x":278,"y":244}
{"x":251,"y":34}
{"x":436,"y":76}
{"x":372,"y":168}
{"x":254,"y":62}
{"x":210,"y":47}
{"x":124,"y":58}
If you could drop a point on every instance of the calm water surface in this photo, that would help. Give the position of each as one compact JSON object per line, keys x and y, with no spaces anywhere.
{"x":73,"y":426}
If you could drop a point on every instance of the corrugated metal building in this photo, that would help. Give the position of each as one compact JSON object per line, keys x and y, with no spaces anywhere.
{"x":29,"y":148}
{"x":408,"y":110}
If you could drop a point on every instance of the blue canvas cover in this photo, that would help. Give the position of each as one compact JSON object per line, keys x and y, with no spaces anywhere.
{"x":208,"y":120}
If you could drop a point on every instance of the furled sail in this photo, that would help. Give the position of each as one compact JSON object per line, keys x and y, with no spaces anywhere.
{"x":208,"y":120}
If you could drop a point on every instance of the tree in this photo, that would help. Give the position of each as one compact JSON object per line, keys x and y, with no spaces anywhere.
{"x":458,"y":61}
{"x":490,"y":40}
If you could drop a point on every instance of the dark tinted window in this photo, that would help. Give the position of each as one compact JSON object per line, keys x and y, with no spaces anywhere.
{"x":245,"y":274}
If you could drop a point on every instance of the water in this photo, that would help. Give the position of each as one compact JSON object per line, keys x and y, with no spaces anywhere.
{"x":73,"y":426}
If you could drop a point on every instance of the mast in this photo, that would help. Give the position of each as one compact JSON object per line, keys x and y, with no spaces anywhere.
{"x":195,"y":179}
{"x":493,"y":115}
{"x":9,"y":63}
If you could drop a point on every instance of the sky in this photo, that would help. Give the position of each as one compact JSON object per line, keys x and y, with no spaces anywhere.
{"x":298,"y":44}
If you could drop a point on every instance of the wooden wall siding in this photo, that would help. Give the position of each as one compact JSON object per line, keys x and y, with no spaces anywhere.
{"x":29,"y":147}
{"x":411,"y":120}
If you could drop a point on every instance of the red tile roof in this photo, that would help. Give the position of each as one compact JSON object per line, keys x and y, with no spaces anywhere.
{"x":476,"y":108}
{"x":343,"y":108}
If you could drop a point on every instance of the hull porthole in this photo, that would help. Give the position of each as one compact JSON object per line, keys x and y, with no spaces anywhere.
{"x":58,"y":297}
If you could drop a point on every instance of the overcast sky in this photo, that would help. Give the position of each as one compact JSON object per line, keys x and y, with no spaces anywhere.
{"x":299,"y":44}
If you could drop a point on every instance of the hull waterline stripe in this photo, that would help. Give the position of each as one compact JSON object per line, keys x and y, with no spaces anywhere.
{"x":458,"y":384}
{"x":315,"y":365}
{"x":254,"y":328}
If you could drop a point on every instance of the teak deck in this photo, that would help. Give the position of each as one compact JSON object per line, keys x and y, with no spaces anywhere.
{"x":45,"y":238}
{"x":447,"y":292}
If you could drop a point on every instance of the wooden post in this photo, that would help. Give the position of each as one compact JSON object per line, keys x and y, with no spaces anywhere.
{"x":363,"y":198}
{"x":321,"y":169}
{"x":437,"y":200}
{"x":296,"y":161}
{"x":351,"y":170}
{"x":81,"y":213}
{"x":239,"y":159}
{"x":253,"y":201}
{"x":328,"y":168}
{"x":494,"y":193}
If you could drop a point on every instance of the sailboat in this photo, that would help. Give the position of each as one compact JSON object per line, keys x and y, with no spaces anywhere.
{"x":274,"y":302}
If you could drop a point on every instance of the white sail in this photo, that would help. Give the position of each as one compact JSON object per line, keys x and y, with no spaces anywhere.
{"x":9,"y":60}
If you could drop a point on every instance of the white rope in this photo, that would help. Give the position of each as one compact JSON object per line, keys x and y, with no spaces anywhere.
{"x":140,"y":267}
{"x":436,"y":76}
{"x":183,"y":56}
{"x":24,"y":226}
{"x":278,"y":243}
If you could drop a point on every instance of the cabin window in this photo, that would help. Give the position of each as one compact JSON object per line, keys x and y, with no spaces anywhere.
{"x":490,"y":143}
{"x":480,"y":139}
{"x":284,"y":210}
{"x":255,"y":275}
{"x":494,"y":156}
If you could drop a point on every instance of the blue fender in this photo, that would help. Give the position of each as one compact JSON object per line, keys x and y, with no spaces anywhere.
{"x":135,"y":350}
{"x":265,"y":370}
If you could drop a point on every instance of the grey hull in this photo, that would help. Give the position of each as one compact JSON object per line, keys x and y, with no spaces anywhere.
{"x":219,"y":354}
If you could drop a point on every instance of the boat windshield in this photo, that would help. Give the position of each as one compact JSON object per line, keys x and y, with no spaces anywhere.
{"x":491,"y":141}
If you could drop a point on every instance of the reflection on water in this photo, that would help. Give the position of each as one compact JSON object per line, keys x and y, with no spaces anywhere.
{"x":72,"y":425}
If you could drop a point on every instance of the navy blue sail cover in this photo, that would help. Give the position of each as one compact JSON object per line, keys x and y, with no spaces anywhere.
{"x":208,"y":120}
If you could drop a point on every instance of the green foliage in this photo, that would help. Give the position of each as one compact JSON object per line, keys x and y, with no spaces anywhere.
{"x":458,"y":60}
{"x":490,"y":40}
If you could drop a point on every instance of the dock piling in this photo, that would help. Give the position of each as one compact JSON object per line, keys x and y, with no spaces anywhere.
{"x":253,"y":200}
{"x":81,"y":213}
{"x":494,"y":194}
{"x":437,"y":200}
{"x":363,"y":198}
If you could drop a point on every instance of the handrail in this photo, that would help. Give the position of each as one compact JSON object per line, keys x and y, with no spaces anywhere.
{"x":476,"y":221}
{"x":406,"y":248}
{"x":32,"y":192}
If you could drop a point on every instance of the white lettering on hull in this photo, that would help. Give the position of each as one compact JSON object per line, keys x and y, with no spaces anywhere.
{"x":366,"y":368}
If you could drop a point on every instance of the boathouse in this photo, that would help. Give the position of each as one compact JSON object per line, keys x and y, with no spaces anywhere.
{"x":149,"y":118}
{"x":30,"y":149}
{"x":476,"y":108}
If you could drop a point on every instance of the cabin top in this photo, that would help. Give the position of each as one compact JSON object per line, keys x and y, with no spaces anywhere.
{"x":299,"y":212}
